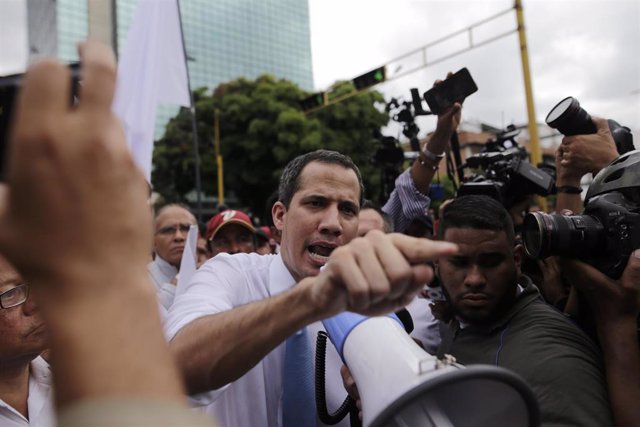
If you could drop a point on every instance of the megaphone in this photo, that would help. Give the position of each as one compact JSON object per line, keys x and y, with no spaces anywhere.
{"x":400,"y":384}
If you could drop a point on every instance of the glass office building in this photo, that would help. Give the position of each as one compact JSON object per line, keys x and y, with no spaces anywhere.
{"x":225,"y":39}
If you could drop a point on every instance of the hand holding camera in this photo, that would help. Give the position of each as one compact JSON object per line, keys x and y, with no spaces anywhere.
{"x":582,"y":154}
{"x":607,"y":233}
{"x":590,"y":143}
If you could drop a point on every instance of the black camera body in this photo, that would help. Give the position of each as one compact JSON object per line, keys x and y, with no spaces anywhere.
{"x":571,"y":119}
{"x":608,"y":231}
{"x":604,"y":236}
{"x":508,"y":176}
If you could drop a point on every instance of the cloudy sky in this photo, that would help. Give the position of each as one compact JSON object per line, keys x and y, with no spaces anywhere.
{"x":589,"y":49}
{"x":586,"y":49}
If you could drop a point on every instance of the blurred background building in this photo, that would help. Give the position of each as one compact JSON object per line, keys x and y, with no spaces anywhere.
{"x":225,"y":39}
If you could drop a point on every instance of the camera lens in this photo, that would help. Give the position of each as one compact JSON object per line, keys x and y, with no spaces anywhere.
{"x":551,"y":234}
{"x":570,"y":119}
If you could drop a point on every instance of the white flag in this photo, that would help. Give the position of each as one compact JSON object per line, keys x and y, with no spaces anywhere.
{"x":151,"y":70}
{"x":188,"y":262}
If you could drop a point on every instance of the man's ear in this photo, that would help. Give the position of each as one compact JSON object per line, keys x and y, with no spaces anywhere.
{"x":278,"y":212}
{"x":518,"y":256}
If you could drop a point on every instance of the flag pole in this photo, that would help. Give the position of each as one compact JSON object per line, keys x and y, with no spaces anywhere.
{"x":196,"y":151}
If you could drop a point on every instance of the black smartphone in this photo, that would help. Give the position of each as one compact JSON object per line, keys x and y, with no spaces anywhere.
{"x":9,"y":87}
{"x":453,"y":89}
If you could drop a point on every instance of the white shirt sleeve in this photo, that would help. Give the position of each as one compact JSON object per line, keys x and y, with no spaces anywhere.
{"x":212,"y":289}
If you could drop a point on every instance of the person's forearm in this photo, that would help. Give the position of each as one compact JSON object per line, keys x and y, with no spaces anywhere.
{"x":570,"y":201}
{"x":215,"y":350}
{"x":622,"y":363}
{"x":110,"y":345}
{"x":423,"y":170}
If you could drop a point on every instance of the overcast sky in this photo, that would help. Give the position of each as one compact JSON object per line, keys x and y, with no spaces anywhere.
{"x":586,"y":49}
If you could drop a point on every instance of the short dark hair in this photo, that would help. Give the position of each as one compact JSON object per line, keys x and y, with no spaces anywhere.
{"x":290,"y":179}
{"x":478,"y":213}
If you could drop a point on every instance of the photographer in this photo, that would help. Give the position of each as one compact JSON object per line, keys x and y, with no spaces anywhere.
{"x":576,"y":156}
{"x":409,"y":198}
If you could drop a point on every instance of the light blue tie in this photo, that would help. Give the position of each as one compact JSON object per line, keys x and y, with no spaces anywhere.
{"x":298,"y":395}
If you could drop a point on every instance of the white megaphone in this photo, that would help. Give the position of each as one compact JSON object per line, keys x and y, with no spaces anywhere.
{"x":402,"y":385}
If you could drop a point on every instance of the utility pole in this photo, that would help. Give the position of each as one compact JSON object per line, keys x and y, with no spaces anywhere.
{"x":534,"y":139}
{"x":216,"y":127}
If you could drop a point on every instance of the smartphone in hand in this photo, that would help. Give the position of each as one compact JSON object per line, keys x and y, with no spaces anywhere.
{"x":453,"y":89}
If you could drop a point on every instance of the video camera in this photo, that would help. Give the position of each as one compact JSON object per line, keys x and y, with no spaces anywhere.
{"x":608,"y":231}
{"x":508,"y":176}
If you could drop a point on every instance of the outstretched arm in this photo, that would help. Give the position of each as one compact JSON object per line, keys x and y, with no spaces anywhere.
{"x":409,"y":198}
{"x":372,"y":275}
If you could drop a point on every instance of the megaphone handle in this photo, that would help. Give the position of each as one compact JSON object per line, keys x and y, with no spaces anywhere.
{"x":347,"y":407}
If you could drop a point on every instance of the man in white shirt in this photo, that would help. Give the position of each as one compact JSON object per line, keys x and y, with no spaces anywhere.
{"x":25,"y":380}
{"x":172,"y":225}
{"x":228,"y":325}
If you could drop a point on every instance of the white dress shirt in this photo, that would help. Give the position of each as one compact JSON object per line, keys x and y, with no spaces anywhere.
{"x":229,"y":281}
{"x":39,"y":402}
{"x":162,"y":273}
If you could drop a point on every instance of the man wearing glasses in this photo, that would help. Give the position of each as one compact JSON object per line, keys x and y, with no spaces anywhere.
{"x":172,"y":225}
{"x":25,"y":379}
{"x":231,"y":232}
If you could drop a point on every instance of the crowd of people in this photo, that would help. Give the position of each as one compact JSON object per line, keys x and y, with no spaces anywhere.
{"x":94,"y":314}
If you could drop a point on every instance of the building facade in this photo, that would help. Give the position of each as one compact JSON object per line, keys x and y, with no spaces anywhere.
{"x":225,"y":39}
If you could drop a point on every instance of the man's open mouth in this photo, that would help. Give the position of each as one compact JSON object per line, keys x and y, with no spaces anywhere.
{"x":320,"y":253}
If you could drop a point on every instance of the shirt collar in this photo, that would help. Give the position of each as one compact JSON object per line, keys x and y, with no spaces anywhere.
{"x":39,"y":390}
{"x":165,"y":268}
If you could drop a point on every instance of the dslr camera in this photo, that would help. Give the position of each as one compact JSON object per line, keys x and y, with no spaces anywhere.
{"x":571,"y":119}
{"x":508,"y":177}
{"x":608,"y":231}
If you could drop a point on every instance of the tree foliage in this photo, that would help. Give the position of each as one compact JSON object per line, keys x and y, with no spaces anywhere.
{"x":261,"y":129}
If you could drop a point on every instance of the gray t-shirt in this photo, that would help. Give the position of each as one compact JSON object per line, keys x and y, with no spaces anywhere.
{"x":557,"y":359}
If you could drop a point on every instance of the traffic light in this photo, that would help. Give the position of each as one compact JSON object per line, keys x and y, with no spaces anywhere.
{"x":371,"y":78}
{"x":313,"y":101}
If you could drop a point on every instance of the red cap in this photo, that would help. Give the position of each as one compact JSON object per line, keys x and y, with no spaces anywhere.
{"x":228,"y":217}
{"x":264,"y":231}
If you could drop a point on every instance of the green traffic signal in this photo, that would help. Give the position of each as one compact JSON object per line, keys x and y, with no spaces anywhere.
{"x":370,"y":78}
{"x":312,"y":101}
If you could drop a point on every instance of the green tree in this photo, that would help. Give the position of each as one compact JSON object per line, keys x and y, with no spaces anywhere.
{"x":261,"y":128}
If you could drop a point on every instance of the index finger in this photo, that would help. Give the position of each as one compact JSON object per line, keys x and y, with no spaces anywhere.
{"x":45,"y":89}
{"x":419,"y":249}
{"x":99,"y":76}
